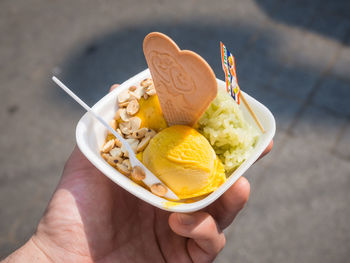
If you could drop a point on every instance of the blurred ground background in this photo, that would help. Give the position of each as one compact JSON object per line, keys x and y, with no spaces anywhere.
{"x":294,"y":56}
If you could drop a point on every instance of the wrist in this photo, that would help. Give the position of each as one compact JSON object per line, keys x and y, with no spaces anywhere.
{"x":29,"y":252}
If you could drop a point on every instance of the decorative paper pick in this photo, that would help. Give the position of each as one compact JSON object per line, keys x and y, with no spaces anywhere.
{"x":229,"y":67}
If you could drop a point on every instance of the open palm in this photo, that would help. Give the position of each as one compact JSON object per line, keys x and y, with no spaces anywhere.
{"x":91,"y":219}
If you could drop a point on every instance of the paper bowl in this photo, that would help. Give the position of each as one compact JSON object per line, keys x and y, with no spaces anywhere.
{"x":90,"y":136}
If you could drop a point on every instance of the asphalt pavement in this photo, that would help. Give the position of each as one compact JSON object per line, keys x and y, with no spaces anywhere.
{"x":293,"y":56}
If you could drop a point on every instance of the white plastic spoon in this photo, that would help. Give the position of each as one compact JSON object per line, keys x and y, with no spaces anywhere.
{"x":150,"y":178}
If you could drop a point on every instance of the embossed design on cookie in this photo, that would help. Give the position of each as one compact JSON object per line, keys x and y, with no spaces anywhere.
{"x":161,"y":63}
{"x":173,"y":78}
{"x":171,"y":72}
{"x":171,"y":108}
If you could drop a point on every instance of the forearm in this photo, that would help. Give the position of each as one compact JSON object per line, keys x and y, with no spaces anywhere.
{"x":29,"y":252}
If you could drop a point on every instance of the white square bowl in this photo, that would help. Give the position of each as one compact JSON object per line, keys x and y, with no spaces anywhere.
{"x":90,"y":136}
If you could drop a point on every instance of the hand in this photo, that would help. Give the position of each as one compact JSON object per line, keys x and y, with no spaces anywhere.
{"x":90,"y":218}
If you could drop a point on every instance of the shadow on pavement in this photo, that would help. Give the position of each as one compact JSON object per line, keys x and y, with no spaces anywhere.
{"x":328,"y":18}
{"x":115,"y":57}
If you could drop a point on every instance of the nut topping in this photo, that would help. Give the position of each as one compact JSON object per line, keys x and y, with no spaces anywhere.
{"x":120,"y":132}
{"x":105,"y":156}
{"x":117,"y":142}
{"x":125,"y":127}
{"x":113,"y":124}
{"x":139,"y":133}
{"x":151,"y":86}
{"x":146,"y":82}
{"x":117,"y":114}
{"x":127,"y":163}
{"x":123,"y":105}
{"x":116,"y":152}
{"x":133,"y":107}
{"x":150,"y":133}
{"x":133,"y":143}
{"x":124,"y":115}
{"x":134,"y":96}
{"x":132,"y":88}
{"x":151,"y":92}
{"x":125,"y":152}
{"x":143,"y":144}
{"x":140,"y":91}
{"x":138,"y":173}
{"x":129,"y":127}
{"x":159,"y":189}
{"x":135,"y":123}
{"x":113,"y":161}
{"x":123,"y":96}
{"x":108,"y":146}
{"x":123,"y":169}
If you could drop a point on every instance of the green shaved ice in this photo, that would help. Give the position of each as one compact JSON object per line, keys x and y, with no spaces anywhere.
{"x":231,"y":136}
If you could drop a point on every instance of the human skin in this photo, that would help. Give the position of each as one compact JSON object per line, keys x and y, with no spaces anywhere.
{"x":91,"y":219}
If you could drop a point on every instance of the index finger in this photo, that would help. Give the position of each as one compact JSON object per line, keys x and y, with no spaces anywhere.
{"x":267,"y":150}
{"x":226,"y":208}
{"x":113,"y":87}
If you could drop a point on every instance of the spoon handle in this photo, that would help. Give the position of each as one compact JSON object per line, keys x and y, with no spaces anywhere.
{"x":150,"y":177}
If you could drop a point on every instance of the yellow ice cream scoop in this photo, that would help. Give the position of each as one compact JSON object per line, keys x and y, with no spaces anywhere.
{"x":151,"y":114}
{"x":185,"y":161}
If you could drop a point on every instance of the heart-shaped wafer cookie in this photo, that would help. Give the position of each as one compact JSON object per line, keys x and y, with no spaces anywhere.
{"x":184,"y":81}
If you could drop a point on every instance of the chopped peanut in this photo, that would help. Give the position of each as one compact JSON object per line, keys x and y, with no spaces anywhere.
{"x":159,"y":189}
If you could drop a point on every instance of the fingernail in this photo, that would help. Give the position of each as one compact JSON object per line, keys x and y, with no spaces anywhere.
{"x":186,"y":219}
